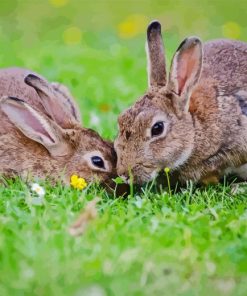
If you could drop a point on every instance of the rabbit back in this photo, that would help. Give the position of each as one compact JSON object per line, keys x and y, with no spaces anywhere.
{"x":225,"y":61}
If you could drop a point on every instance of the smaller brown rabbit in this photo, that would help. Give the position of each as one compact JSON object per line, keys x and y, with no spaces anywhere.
{"x":193,"y":121}
{"x":41,"y":133}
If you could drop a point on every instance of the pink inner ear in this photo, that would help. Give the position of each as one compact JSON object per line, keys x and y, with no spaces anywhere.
{"x":26,"y":121}
{"x":185,"y":67}
{"x":34,"y":123}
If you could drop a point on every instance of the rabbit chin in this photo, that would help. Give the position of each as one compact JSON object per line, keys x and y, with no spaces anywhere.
{"x":145,"y":177}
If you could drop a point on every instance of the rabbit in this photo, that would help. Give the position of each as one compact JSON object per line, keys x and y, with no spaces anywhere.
{"x":192,"y":121}
{"x":41,"y":134}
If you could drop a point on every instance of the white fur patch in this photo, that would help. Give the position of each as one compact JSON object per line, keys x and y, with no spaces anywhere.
{"x":154,"y":174}
{"x":182,"y":159}
{"x":239,"y":171}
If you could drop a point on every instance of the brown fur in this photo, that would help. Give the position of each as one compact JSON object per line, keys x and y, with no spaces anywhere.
{"x":202,"y":140}
{"x":22,"y":156}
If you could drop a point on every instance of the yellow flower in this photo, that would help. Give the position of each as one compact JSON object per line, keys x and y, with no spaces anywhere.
{"x":167,"y":170}
{"x":77,"y":183}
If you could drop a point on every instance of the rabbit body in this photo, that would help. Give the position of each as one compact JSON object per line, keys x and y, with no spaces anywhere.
{"x":41,"y":134}
{"x":195,"y":120}
{"x":218,"y":107}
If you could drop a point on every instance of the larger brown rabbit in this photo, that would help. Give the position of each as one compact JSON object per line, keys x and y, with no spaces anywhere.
{"x":41,"y":133}
{"x":193,"y":121}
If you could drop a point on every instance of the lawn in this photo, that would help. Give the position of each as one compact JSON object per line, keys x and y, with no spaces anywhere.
{"x":191,"y":242}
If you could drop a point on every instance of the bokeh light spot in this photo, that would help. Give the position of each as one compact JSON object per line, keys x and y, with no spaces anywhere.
{"x":105,"y":107}
{"x":132,"y":26}
{"x":231,"y":30}
{"x":72,"y":35}
{"x":58,"y":3}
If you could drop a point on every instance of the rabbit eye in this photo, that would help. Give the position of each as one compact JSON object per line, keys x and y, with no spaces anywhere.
{"x":98,"y":162}
{"x":157,"y":129}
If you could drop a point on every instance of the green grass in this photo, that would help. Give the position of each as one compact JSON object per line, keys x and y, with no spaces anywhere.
{"x":149,"y":244}
{"x":188,"y":243}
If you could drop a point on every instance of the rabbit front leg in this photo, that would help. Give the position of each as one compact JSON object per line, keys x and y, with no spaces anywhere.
{"x":212,"y":178}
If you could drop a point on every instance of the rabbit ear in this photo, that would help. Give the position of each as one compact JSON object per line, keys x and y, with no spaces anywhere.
{"x":155,"y":55}
{"x":53,"y":106}
{"x":185,"y":70}
{"x":35,"y":125}
{"x":68,"y":100}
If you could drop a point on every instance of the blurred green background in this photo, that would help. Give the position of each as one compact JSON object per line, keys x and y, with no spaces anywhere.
{"x":97,"y":47}
{"x":190,"y":243}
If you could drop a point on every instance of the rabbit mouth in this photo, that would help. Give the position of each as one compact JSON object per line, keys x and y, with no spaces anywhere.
{"x":140,"y":174}
{"x":116,"y":189}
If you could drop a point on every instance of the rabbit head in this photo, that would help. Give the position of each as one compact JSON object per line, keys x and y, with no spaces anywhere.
{"x":157,"y":131}
{"x":52,"y":143}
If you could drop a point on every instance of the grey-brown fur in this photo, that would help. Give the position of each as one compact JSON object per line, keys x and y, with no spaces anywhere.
{"x":24,"y":154}
{"x":202,"y":106}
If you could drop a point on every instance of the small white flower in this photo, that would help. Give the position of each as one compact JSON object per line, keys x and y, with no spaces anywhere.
{"x":40,"y":191}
